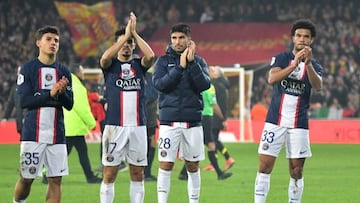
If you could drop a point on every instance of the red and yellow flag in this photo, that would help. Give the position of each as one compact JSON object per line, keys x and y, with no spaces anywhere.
{"x":92,"y":27}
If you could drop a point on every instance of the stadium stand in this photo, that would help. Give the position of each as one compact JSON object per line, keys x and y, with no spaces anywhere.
{"x":337,"y":46}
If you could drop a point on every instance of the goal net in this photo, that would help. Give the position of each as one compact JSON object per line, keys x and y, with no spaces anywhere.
{"x":239,"y":126}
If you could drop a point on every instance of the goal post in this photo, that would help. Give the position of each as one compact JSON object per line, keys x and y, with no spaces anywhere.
{"x":240,"y":102}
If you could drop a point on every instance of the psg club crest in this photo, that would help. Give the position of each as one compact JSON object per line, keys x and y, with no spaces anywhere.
{"x":265,"y":146}
{"x":127,"y":72}
{"x":48,"y":77}
{"x":163,"y":153}
{"x":110,"y":158}
{"x":32,"y":170}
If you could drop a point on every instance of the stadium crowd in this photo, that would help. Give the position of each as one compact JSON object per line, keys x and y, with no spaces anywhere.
{"x":337,"y":45}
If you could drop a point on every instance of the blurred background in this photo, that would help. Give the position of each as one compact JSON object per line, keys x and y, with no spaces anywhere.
{"x":228,"y":33}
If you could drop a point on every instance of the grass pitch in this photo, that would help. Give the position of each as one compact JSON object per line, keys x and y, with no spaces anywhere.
{"x":331,"y":176}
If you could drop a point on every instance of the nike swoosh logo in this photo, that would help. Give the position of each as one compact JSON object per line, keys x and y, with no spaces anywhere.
{"x":62,"y":170}
{"x":140,"y":160}
{"x":171,"y":65}
{"x":194,"y":157}
{"x":303,"y":152}
{"x":48,"y":85}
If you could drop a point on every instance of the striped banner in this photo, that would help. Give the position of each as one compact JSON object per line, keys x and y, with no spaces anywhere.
{"x":92,"y":27}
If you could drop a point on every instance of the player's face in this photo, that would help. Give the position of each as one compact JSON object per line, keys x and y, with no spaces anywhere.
{"x":302,"y":38}
{"x":48,"y":44}
{"x":179,"y":41}
{"x":127,"y":49}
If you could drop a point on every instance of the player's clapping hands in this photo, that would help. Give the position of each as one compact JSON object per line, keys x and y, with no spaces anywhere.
{"x":59,"y":87}
{"x":191,"y":51}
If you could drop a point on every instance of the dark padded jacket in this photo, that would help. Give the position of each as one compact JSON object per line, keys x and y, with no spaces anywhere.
{"x":180,"y":98}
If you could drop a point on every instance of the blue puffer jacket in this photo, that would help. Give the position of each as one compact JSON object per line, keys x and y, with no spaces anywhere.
{"x":180,"y":89}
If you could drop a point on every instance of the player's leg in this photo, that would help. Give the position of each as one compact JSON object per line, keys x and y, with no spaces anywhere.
{"x":22,"y":189}
{"x":114,"y":142}
{"x":192,"y":153}
{"x":297,"y":149}
{"x":137,"y":159}
{"x":169,"y":139}
{"x":53,"y":193}
{"x":270,"y":146}
{"x":56,"y":163}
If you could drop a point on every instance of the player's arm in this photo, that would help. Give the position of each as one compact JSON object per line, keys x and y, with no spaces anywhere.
{"x":164,"y":79}
{"x":314,"y":78}
{"x":149,"y":56}
{"x":111,"y":52}
{"x":199,"y":73}
{"x":29,"y":97}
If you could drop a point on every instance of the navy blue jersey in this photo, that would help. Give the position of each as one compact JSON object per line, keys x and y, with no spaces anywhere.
{"x":125,"y":93}
{"x":43,"y":115}
{"x":291,"y":96}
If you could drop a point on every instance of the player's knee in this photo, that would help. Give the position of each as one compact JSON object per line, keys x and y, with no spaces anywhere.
{"x":54,"y":180}
{"x":192,"y":167}
{"x":167,"y":166}
{"x":296,"y":172}
{"x":26,"y":181}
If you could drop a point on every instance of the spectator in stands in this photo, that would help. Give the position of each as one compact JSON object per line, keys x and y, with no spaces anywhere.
{"x":260,"y":109}
{"x":335,"y":110}
{"x":12,"y":104}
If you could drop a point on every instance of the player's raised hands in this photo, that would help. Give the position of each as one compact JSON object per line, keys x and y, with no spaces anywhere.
{"x":307,"y":54}
{"x":191,"y":51}
{"x":183,"y":58}
{"x":132,"y":22}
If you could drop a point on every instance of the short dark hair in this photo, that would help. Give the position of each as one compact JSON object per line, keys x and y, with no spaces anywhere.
{"x":46,"y":29}
{"x":304,"y":24}
{"x":181,"y":27}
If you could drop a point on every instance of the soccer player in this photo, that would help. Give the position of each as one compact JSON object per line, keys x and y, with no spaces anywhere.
{"x":180,"y":76}
{"x":124,"y":135}
{"x":44,"y":87}
{"x":293,"y":75}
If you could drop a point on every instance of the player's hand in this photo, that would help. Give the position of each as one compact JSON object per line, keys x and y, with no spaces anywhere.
{"x":127,"y":34}
{"x":307,"y":54}
{"x":132,"y":22}
{"x":297,"y":59}
{"x":183,"y":58}
{"x":191,"y":52}
{"x":63,"y":82}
